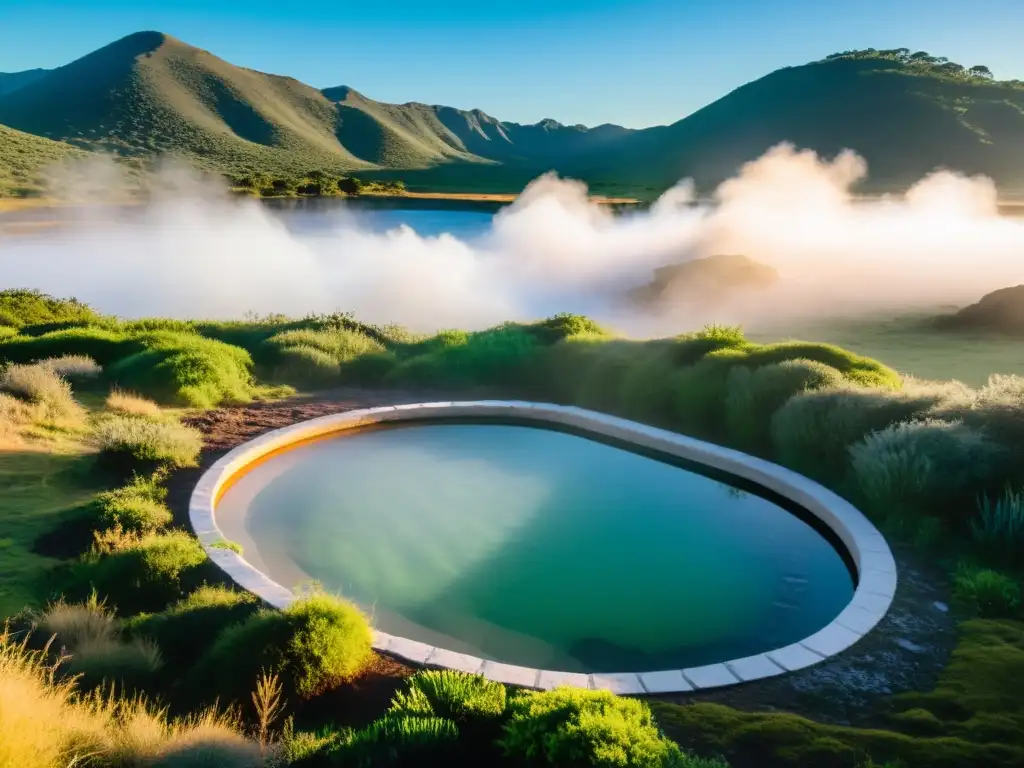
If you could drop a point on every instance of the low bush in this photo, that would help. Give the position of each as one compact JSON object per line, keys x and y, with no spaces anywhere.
{"x":102,"y":345}
{"x":313,"y":645}
{"x":574,"y":727}
{"x":40,"y":386}
{"x":15,"y":416}
{"x":998,"y":527}
{"x":73,"y":367}
{"x":306,"y":367}
{"x":137,"y":507}
{"x":500,"y":355}
{"x":371,"y":368}
{"x":340,"y":344}
{"x":130,"y":404}
{"x":451,"y":695}
{"x":214,"y":745}
{"x":928,"y":466}
{"x":186,"y":369}
{"x":126,"y":440}
{"x":986,"y":593}
{"x":144,"y":573}
{"x":754,"y":394}
{"x":191,"y":625}
{"x":813,"y":430}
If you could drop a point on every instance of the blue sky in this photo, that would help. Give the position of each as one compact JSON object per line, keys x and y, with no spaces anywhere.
{"x":632,"y":62}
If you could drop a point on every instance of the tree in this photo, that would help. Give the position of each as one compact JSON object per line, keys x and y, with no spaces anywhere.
{"x":980,"y":70}
{"x":920,"y":56}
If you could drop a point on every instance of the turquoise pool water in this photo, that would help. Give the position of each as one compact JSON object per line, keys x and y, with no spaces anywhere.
{"x":537,"y":547}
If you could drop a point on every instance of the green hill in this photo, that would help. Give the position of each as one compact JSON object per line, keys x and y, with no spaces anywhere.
{"x":12,"y":81}
{"x":148,"y":93}
{"x":906,"y":116}
{"x":23,"y":156}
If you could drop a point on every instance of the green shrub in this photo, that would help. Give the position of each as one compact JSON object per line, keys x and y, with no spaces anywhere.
{"x":853,"y":367}
{"x":754,"y":394}
{"x":400,"y":739}
{"x":186,"y":369}
{"x":691,"y":347}
{"x":137,"y":507}
{"x":130,"y":438}
{"x":451,"y":695}
{"x":927,"y":466}
{"x":99,"y":344}
{"x":986,"y":593}
{"x":998,"y":526}
{"x":498,"y":355}
{"x":371,"y":368}
{"x":573,"y":727}
{"x":191,"y":625}
{"x":39,"y":385}
{"x":306,"y":367}
{"x":562,"y":326}
{"x":19,"y":307}
{"x":314,"y":644}
{"x":144,"y":574}
{"x":812,"y":431}
{"x":339,"y":344}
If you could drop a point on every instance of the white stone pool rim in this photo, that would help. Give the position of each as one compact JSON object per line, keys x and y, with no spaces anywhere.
{"x":875,"y":567}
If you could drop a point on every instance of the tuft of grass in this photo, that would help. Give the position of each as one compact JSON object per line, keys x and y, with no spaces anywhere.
{"x":400,"y":739}
{"x":73,"y":367}
{"x":40,"y":386}
{"x":127,"y":438}
{"x":20,"y":307}
{"x":987,"y":593}
{"x":451,"y":695}
{"x":131,"y":405}
{"x":109,"y":662}
{"x":71,"y":625}
{"x":314,"y":644}
{"x":998,"y":526}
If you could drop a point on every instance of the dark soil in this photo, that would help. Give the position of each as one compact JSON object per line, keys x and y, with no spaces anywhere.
{"x":905,"y":652}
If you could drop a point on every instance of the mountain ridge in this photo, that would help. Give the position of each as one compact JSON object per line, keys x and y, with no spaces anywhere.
{"x":150,"y":93}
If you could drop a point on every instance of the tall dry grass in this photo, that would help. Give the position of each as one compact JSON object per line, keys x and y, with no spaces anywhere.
{"x":49,"y":396}
{"x":130,"y":404}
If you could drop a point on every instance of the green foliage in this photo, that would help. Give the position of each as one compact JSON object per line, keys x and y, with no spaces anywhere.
{"x":498,"y":355}
{"x":186,"y":369}
{"x":451,"y":695}
{"x":927,"y":466}
{"x":102,"y":345}
{"x":986,"y":593}
{"x":143,"y":574}
{"x":190,"y":626}
{"x":812,"y":431}
{"x":573,"y":727}
{"x":314,"y":644}
{"x":303,"y":366}
{"x":20,"y":307}
{"x":753,"y":396}
{"x":562,"y":326}
{"x":134,"y":439}
{"x":998,"y":526}
{"x":400,"y":739}
{"x":137,"y":507}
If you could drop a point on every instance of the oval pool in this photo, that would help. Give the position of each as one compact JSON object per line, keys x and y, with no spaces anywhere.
{"x":539,"y":547}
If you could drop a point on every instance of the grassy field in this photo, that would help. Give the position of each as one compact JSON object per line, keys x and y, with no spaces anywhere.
{"x":23,"y":157}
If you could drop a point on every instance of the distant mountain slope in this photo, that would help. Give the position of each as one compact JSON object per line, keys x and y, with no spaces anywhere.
{"x":149,"y":92}
{"x":904,"y":117}
{"x":907,"y":114}
{"x":23,"y":156}
{"x":12,"y":81}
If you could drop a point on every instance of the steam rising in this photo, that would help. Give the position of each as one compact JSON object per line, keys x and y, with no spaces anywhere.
{"x":192,"y":252}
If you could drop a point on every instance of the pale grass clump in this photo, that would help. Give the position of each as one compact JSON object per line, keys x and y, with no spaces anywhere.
{"x":130,"y":404}
{"x":39,"y":386}
{"x":15,"y":417}
{"x":45,"y":723}
{"x":81,"y":367}
{"x":74,"y":624}
{"x":166,"y":442}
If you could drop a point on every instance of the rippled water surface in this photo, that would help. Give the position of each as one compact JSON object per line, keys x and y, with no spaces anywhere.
{"x":537,"y":547}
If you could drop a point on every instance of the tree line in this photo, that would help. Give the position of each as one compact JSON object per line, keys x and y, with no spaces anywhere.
{"x":313,"y":184}
{"x":923,"y":60}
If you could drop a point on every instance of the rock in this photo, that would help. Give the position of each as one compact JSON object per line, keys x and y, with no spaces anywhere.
{"x":940,"y":606}
{"x":1001,"y":311}
{"x":907,"y":645}
{"x":704,"y":282}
